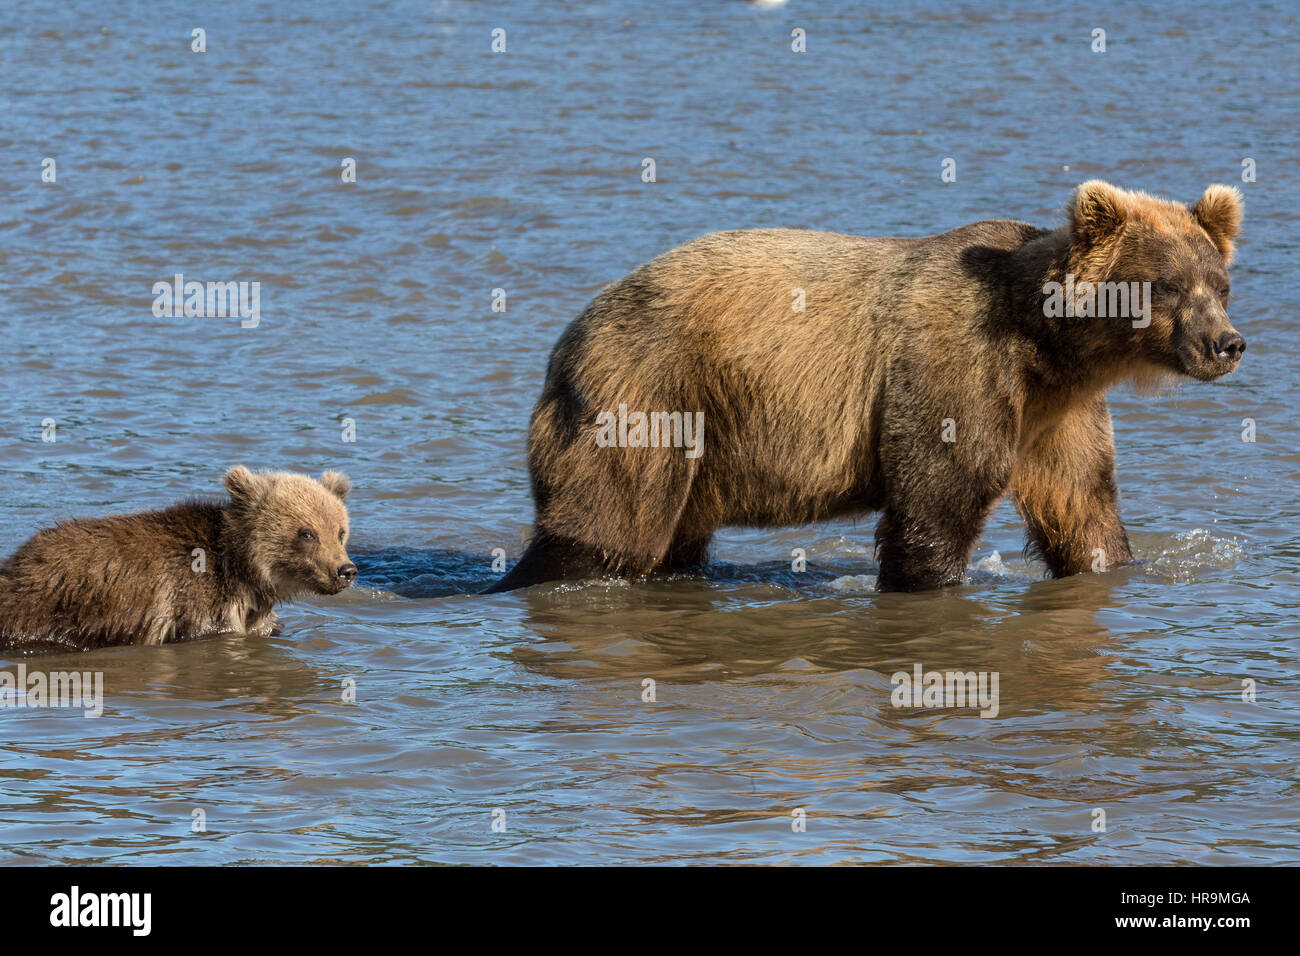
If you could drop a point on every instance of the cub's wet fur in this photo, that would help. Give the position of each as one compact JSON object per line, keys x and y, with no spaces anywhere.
{"x":195,"y":569}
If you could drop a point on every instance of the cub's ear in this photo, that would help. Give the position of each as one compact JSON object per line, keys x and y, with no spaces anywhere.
{"x":243,"y":485}
{"x":1219,"y":213}
{"x":337,"y":483}
{"x":1097,"y":211}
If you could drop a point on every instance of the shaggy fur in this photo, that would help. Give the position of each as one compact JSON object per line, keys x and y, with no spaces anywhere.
{"x":132,"y":579}
{"x":839,"y":410}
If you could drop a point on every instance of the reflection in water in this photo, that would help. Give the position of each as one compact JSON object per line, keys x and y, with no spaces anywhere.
{"x":1046,"y":646}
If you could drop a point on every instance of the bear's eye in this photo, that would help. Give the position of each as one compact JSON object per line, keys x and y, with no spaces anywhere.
{"x":1224,"y":293}
{"x":306,"y":534}
{"x":342,"y":534}
{"x":1164,"y":289}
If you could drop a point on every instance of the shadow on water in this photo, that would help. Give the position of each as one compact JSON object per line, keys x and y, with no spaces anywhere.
{"x":424,"y":572}
{"x":441,"y":572}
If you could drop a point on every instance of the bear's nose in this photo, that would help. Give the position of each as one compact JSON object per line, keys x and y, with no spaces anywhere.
{"x":348,"y":573}
{"x":1229,"y":347}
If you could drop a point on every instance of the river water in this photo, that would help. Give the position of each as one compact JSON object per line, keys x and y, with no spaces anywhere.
{"x":521,"y":171}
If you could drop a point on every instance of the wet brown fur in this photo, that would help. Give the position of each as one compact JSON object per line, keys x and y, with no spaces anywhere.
{"x":130,"y":579}
{"x":838,"y":410}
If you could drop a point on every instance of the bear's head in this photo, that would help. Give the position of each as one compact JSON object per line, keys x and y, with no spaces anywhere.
{"x":1180,"y":255}
{"x":292,"y":530}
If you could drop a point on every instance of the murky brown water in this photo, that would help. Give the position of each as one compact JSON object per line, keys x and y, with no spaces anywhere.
{"x":521,"y":171}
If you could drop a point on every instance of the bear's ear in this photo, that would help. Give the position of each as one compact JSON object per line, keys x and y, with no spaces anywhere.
{"x":243,"y":485}
{"x":1097,"y":211}
{"x":337,"y":483}
{"x":1219,"y":213}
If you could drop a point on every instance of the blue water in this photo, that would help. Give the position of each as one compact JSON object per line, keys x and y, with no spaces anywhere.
{"x":522,"y":171}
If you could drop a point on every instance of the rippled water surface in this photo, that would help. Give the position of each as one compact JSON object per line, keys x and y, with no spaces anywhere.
{"x":521,"y":171}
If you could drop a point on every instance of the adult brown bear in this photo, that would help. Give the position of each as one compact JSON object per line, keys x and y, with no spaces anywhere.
{"x":923,"y":378}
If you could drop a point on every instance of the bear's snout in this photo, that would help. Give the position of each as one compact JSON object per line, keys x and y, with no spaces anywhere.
{"x":1209,"y":347}
{"x":348,"y":574}
{"x":1229,"y":346}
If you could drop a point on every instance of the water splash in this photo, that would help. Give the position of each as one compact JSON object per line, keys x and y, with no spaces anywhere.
{"x":1189,"y":552}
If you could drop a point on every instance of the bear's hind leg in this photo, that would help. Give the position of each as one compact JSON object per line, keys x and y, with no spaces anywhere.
{"x":613,"y":523}
{"x":551,"y":558}
{"x":689,"y":550}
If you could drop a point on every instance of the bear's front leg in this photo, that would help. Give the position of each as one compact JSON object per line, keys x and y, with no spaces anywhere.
{"x":942,"y":475}
{"x":918,"y":548}
{"x":1064,"y":488}
{"x":263,"y":625}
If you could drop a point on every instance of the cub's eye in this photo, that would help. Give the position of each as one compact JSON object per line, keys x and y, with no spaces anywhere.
{"x":1224,"y":293}
{"x":342,"y":534}
{"x":306,"y":534}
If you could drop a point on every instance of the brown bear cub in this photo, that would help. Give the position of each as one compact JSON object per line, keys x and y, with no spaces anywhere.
{"x":814,"y":375}
{"x":195,"y":569}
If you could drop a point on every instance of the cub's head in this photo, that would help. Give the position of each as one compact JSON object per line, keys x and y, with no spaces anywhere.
{"x":1179,"y":255}
{"x":292,"y":529}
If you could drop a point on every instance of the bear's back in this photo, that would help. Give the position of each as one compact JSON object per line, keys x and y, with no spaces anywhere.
{"x":111,"y":580}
